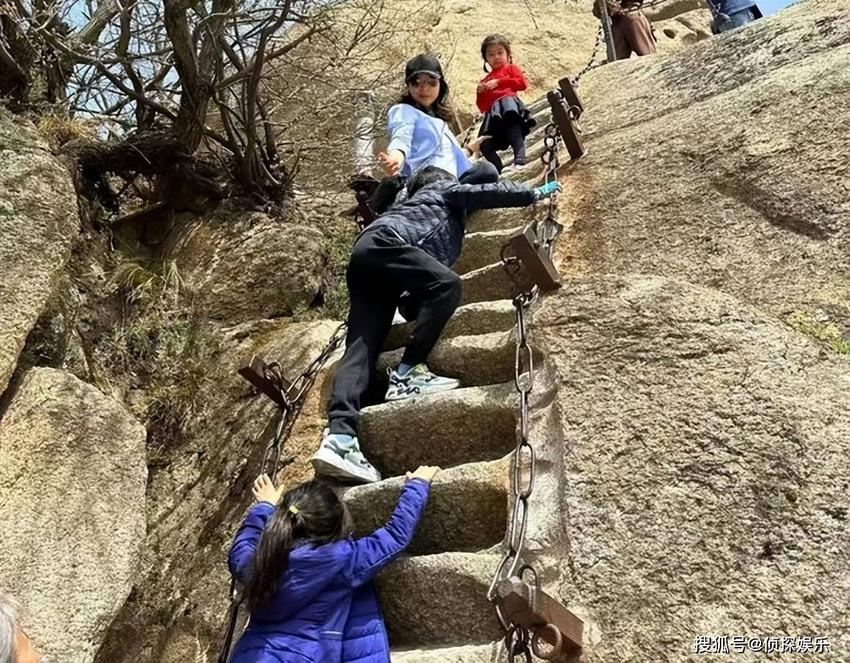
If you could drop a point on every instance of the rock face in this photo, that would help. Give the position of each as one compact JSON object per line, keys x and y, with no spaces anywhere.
{"x":38,"y":221}
{"x":705,"y":470}
{"x":726,"y":165}
{"x":247,"y":266}
{"x":72,"y":503}
{"x":197,"y":499}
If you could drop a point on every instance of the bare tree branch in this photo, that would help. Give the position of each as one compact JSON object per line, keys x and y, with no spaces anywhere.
{"x":91,"y":32}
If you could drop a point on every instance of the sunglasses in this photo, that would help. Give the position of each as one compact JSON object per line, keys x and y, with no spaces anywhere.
{"x":423,"y":79}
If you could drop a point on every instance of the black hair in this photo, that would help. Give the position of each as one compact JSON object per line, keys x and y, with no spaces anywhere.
{"x":425,"y":176}
{"x":494,"y":39}
{"x":309,"y":513}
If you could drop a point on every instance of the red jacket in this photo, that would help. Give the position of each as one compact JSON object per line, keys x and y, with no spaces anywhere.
{"x":511,"y":80}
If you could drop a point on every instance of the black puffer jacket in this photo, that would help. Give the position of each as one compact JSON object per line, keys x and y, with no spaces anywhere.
{"x":434,"y":218}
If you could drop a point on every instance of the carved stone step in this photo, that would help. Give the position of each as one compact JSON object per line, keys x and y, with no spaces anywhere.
{"x":440,"y":599}
{"x":490,"y":283}
{"x":447,"y":429}
{"x":489,"y":653}
{"x":474,"y":360}
{"x":483,"y":248}
{"x":538,"y":106}
{"x":504,"y":218}
{"x":475,"y":318}
{"x":467,"y":508}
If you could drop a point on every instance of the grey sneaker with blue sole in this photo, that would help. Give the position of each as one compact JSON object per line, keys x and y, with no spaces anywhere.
{"x":418,"y":381}
{"x":343,"y":461}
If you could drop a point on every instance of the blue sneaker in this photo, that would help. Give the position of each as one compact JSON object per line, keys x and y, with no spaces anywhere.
{"x":340,"y":456}
{"x":418,"y":381}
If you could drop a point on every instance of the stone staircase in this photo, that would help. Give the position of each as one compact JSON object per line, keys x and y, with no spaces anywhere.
{"x":434,"y":599}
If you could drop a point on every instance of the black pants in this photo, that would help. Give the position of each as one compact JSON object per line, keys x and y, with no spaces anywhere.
{"x":382,"y":266}
{"x":510,"y":135}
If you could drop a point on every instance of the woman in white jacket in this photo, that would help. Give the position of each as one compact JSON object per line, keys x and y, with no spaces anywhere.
{"x":420,"y":135}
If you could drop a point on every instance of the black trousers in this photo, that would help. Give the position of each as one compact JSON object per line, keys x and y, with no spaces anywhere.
{"x":382,"y":266}
{"x":510,"y":135}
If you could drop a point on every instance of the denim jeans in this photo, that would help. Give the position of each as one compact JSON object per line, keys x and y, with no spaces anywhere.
{"x":734,"y":20}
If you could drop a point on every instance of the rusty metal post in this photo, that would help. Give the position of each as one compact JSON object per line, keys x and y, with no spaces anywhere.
{"x":571,"y":96}
{"x":569,"y":131}
{"x":535,"y":259}
{"x":531,"y":607}
{"x":607,"y":30}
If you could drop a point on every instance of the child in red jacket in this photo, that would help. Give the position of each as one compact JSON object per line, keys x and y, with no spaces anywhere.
{"x":506,"y":119}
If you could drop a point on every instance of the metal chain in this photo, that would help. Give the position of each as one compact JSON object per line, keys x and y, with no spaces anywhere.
{"x":591,"y":63}
{"x":519,"y":640}
{"x":293,"y":398}
{"x":551,"y":161}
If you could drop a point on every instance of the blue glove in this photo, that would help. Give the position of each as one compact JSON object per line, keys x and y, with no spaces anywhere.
{"x":546,"y":190}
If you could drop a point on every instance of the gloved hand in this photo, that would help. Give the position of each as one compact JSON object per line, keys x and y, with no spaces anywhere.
{"x":546,"y":190}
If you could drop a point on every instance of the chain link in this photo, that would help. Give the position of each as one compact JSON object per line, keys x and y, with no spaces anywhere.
{"x":592,"y":63}
{"x":551,"y":161}
{"x":293,"y":398}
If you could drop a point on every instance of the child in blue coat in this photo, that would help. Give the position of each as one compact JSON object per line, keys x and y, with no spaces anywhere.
{"x":308,"y":584}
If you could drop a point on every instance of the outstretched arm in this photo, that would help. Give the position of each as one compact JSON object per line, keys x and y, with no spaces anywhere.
{"x":472,"y":197}
{"x":248,"y":538}
{"x":372,"y":553}
{"x":401,"y":121}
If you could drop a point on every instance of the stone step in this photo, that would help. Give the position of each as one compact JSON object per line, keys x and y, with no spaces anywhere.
{"x":537,"y":106}
{"x":439,"y":599}
{"x":474,"y":360}
{"x":493,"y":652}
{"x":504,"y":218}
{"x":475,"y":318}
{"x":483,"y":248}
{"x":447,"y":429}
{"x":490,"y":283}
{"x":467,"y":509}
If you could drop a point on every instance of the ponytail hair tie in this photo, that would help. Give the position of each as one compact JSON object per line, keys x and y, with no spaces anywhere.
{"x":293,"y":510}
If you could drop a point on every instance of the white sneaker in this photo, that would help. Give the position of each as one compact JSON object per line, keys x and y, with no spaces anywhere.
{"x":418,"y":381}
{"x":342,"y":458}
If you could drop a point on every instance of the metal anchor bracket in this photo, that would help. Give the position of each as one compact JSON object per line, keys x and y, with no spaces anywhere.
{"x":571,"y":96}
{"x":562,"y":117}
{"x":535,"y":259}
{"x":280,"y":390}
{"x":534,"y":609}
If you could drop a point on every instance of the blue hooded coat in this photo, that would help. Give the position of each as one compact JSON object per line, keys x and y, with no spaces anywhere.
{"x":325,"y":609}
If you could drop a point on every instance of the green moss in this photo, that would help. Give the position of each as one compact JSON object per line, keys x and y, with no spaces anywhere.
{"x":161,"y":349}
{"x":826,"y":332}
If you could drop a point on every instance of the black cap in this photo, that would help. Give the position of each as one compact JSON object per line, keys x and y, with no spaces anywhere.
{"x":423,"y":64}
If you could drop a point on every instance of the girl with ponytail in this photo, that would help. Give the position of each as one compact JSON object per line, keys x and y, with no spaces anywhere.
{"x":307,"y":582}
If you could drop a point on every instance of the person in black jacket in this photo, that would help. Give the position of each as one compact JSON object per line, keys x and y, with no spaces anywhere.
{"x":410,"y":248}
